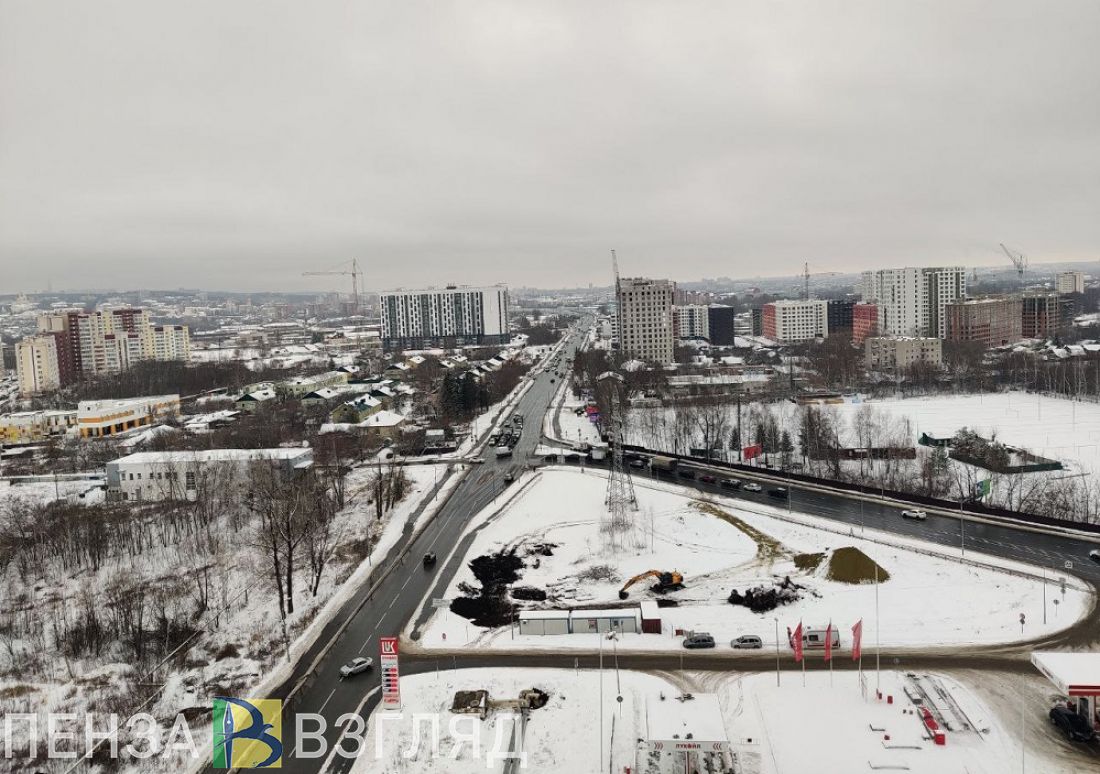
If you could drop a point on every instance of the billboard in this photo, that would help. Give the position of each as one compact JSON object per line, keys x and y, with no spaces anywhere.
{"x":391,"y":677}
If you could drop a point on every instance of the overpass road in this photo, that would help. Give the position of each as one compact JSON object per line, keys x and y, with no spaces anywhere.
{"x":395,"y":600}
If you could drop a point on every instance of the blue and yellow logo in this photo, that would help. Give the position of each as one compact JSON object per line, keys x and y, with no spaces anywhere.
{"x":248,"y":734}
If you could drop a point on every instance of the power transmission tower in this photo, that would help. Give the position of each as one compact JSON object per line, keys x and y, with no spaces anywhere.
{"x":620,"y":500}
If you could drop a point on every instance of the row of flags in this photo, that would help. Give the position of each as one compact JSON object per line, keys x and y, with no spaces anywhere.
{"x":857,"y":641}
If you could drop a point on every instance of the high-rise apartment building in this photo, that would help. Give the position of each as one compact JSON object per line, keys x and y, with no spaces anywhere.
{"x":645,"y":318}
{"x":454,"y":316}
{"x":792,"y":321}
{"x":992,"y":321}
{"x":722,"y":322}
{"x":912,"y":301}
{"x":692,"y":321}
{"x":109,"y":340}
{"x":36,"y":364}
{"x":1070,"y":282}
{"x":1044,"y":314}
{"x":864,"y":322}
{"x":840,"y":316}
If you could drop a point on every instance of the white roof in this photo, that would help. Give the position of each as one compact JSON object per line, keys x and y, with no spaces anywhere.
{"x":614,"y":612}
{"x":259,"y":395}
{"x":214,"y":455}
{"x":650,"y":609}
{"x":543,"y":615}
{"x":124,"y":403}
{"x":1074,"y":674}
{"x":383,"y":419}
{"x":697,"y":720}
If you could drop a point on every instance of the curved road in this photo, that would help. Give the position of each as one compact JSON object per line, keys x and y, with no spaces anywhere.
{"x":395,"y":599}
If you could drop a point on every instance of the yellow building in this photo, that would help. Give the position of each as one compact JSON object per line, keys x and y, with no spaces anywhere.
{"x":35,"y":426}
{"x":98,"y":418}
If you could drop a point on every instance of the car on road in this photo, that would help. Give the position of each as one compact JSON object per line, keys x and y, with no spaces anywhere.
{"x":1094,"y":555}
{"x":914,"y":513}
{"x":477,"y":460}
{"x":686,"y":473}
{"x":780,"y":493}
{"x":747,"y":642}
{"x":509,"y":477}
{"x":699,"y":640}
{"x":729,"y":483}
{"x":637,"y":463}
{"x":707,"y":478}
{"x":1076,"y":727}
{"x":429,"y":559}
{"x":356,"y":667}
{"x":752,"y":486}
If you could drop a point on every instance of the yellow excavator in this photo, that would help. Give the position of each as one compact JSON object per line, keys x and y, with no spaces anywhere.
{"x":666,"y":581}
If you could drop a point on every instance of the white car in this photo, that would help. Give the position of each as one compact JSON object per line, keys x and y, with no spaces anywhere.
{"x":753,"y":487}
{"x":914,"y":514}
{"x":356,"y":666}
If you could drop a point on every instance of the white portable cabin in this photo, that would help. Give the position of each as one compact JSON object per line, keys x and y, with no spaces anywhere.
{"x":624,"y":620}
{"x":544,"y":622}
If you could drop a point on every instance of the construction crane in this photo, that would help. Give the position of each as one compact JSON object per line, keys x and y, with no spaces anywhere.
{"x":1019,"y":260}
{"x":353,"y":272}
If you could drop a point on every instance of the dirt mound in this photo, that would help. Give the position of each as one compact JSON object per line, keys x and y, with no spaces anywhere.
{"x":762,"y":599}
{"x":808,"y":563}
{"x":850,"y":565}
{"x":541,"y":549}
{"x":528,"y":593}
{"x":489,"y":606}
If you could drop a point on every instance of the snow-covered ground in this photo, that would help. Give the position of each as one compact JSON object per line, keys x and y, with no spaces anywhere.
{"x":1058,"y":428}
{"x":725,"y":544}
{"x":830,"y":725}
{"x":560,"y":737}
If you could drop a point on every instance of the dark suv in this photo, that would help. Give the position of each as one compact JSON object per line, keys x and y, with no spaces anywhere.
{"x":1076,"y":727}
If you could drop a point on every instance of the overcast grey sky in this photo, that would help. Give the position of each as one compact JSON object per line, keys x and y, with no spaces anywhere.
{"x":233,"y":144}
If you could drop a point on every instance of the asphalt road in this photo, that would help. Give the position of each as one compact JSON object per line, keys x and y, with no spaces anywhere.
{"x":397,"y":597}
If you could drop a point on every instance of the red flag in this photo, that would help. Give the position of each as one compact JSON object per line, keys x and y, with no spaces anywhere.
{"x":829,"y":641}
{"x":796,"y":642}
{"x":857,"y":640}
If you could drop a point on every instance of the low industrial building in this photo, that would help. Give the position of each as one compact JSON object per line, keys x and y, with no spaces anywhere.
{"x":26,"y":427}
{"x":100,"y":418}
{"x":623,"y":620}
{"x":187,"y":475}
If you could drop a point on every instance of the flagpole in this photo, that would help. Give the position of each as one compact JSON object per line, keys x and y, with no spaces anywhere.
{"x":803,"y":659}
{"x":829,"y":634}
{"x":878,"y":649}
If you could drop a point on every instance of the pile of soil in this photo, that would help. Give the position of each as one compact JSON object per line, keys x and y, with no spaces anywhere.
{"x":489,"y":606}
{"x":528,"y":593}
{"x":850,"y":565}
{"x":541,"y":549}
{"x":762,"y":599}
{"x":808,"y":563}
{"x":535,"y":698}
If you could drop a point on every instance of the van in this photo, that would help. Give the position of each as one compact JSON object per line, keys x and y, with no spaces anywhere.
{"x":814,"y":637}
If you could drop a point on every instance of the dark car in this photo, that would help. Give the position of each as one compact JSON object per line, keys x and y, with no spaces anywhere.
{"x":706,"y":478}
{"x":429,"y":559}
{"x":637,"y":463}
{"x":779,"y":493}
{"x":730,"y":483}
{"x":1094,"y":555}
{"x":685,"y":473}
{"x":700,"y":640}
{"x":1076,"y":727}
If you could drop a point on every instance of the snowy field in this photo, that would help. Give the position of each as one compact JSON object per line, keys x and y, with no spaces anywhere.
{"x":560,"y":737}
{"x":830,"y":725}
{"x":725,"y":544}
{"x":1065,"y":430}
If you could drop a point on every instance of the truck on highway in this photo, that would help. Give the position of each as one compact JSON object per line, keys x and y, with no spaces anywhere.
{"x":666,"y":464}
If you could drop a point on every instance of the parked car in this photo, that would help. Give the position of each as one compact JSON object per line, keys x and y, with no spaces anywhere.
{"x":730,"y":483}
{"x":429,"y":559}
{"x":747,"y":642}
{"x":356,"y":666}
{"x":1076,"y":727}
{"x":779,"y":493}
{"x":637,"y":463}
{"x":707,"y":478}
{"x":913,"y":513}
{"x":509,"y":477}
{"x":699,"y":640}
{"x":1094,"y":555}
{"x":752,"y":486}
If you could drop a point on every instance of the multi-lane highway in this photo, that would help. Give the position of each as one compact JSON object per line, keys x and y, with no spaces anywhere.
{"x":393,"y":596}
{"x":389,"y":603}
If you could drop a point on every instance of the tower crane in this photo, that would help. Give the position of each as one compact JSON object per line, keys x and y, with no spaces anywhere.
{"x":1019,"y":260}
{"x":353,"y":271}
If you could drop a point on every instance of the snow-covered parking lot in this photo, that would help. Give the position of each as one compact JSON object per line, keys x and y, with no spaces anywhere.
{"x":723,"y":544}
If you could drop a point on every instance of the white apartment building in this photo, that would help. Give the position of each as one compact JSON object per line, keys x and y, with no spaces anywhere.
{"x":36,"y":364}
{"x":1070,"y":282}
{"x":911,"y":301}
{"x":645,"y":324}
{"x":454,"y":316}
{"x":170,"y":342}
{"x":692,"y":321}
{"x":791,"y":321}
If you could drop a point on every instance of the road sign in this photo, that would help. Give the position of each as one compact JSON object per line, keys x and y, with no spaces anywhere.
{"x":391,"y":677}
{"x":440,"y":602}
{"x":1069,"y":565}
